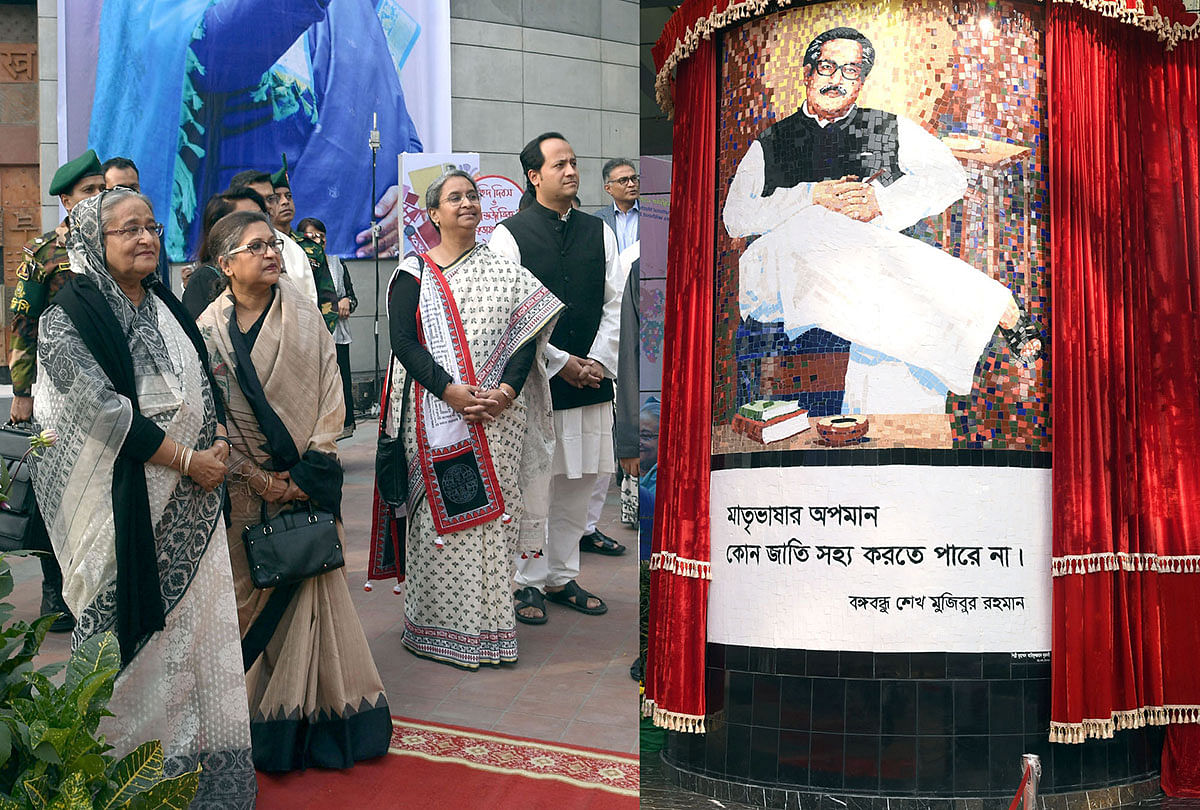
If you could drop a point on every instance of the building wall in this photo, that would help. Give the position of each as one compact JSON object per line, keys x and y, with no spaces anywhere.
{"x":522,"y":67}
{"x":47,"y":33}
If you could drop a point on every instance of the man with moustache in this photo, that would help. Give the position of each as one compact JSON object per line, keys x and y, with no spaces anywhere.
{"x":575,"y":255}
{"x":827,"y":191}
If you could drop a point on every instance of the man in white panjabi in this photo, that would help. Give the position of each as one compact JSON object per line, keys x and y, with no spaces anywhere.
{"x":575,"y":256}
{"x":826,"y":192}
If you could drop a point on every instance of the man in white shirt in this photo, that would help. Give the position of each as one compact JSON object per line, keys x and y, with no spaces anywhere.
{"x":576,"y":257}
{"x":827,"y":191}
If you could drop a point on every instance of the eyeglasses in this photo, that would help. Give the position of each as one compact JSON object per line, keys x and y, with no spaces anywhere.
{"x":259,"y":247}
{"x":274,"y":198}
{"x":316,"y":236}
{"x":631,"y":180}
{"x":135,"y":231}
{"x":456,"y":198}
{"x":851,"y":71}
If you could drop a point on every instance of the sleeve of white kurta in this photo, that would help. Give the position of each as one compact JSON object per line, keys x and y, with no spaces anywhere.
{"x":747,"y":211}
{"x":608,"y":337}
{"x":933,"y":179}
{"x":502,"y":242}
{"x":295,"y":263}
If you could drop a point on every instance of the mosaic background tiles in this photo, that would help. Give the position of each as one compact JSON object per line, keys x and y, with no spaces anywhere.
{"x":960,"y":71}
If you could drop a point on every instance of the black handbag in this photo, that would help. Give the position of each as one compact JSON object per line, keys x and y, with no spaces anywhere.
{"x":391,"y":466}
{"x":17,"y":512}
{"x":293,"y":546}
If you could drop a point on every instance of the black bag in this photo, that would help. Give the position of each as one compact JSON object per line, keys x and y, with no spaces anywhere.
{"x":292,"y":546}
{"x":391,"y":467}
{"x":18,"y":511}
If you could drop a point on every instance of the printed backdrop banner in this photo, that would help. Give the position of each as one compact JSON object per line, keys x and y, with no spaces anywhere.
{"x":881,"y":558}
{"x":194,"y":91}
{"x":880,"y":412}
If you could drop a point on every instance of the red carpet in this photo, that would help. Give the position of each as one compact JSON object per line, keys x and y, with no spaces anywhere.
{"x":433,"y":766}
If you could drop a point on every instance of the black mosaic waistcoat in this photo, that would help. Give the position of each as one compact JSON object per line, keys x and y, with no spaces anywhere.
{"x":798,"y":150}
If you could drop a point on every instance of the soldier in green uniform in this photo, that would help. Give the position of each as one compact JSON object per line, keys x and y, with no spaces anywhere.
{"x":283,"y":211}
{"x":43,"y":272}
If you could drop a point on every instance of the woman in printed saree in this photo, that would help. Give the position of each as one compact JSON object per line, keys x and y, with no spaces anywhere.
{"x":132,"y":497}
{"x":315,"y":695}
{"x":466,"y":326}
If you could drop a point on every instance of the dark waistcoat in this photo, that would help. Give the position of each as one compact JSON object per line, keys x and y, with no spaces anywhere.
{"x":798,"y":150}
{"x":568,"y":257}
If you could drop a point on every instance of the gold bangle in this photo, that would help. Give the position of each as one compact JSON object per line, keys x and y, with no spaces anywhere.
{"x":187,"y":461}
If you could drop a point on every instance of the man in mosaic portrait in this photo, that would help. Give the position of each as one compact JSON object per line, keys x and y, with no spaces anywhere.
{"x":826,"y":192}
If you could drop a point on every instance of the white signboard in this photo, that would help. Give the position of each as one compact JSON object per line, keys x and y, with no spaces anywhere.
{"x":499,"y":197}
{"x":886,"y":558}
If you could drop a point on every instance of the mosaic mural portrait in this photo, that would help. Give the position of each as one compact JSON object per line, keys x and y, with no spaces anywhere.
{"x":881,"y":240}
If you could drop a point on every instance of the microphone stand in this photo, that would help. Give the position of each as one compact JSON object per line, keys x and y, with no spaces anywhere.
{"x":373,"y":142}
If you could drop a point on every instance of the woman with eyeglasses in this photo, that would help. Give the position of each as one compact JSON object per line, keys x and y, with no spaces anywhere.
{"x":316,"y":698}
{"x":204,"y":280}
{"x":131,"y":493}
{"x":466,"y":325}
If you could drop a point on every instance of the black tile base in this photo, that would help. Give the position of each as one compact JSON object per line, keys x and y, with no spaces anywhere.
{"x":928,"y":725}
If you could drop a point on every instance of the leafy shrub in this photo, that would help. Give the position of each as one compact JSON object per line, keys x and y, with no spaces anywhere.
{"x":51,"y":757}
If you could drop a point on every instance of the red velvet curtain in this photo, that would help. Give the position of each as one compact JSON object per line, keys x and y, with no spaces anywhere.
{"x":680,"y":561}
{"x":1125,"y":245}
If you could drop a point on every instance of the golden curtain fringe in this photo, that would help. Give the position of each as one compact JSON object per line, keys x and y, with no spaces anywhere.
{"x":1124,"y":561}
{"x":1171,"y":33}
{"x":1167,"y":31}
{"x":703,"y":29}
{"x":1121,"y":721}
{"x":673,"y":721}
{"x":674,"y":564}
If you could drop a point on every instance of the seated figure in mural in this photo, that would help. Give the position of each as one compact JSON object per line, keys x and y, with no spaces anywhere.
{"x":200,"y":90}
{"x":827,"y":191}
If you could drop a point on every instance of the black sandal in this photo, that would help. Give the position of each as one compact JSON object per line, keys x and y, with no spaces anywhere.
{"x":1020,"y":336}
{"x":575,"y":597}
{"x":526,"y":597}
{"x":600,"y":543}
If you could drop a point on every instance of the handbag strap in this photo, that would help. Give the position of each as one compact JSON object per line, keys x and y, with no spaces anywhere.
{"x":262,"y":509}
{"x":387,"y":401}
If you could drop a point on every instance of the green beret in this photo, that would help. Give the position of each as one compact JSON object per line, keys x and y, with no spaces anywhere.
{"x":280,"y":178}
{"x":73,"y":171}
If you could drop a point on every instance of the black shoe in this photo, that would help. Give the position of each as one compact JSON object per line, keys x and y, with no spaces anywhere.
{"x":598,"y":542}
{"x":52,"y":602}
{"x":637,"y":670}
